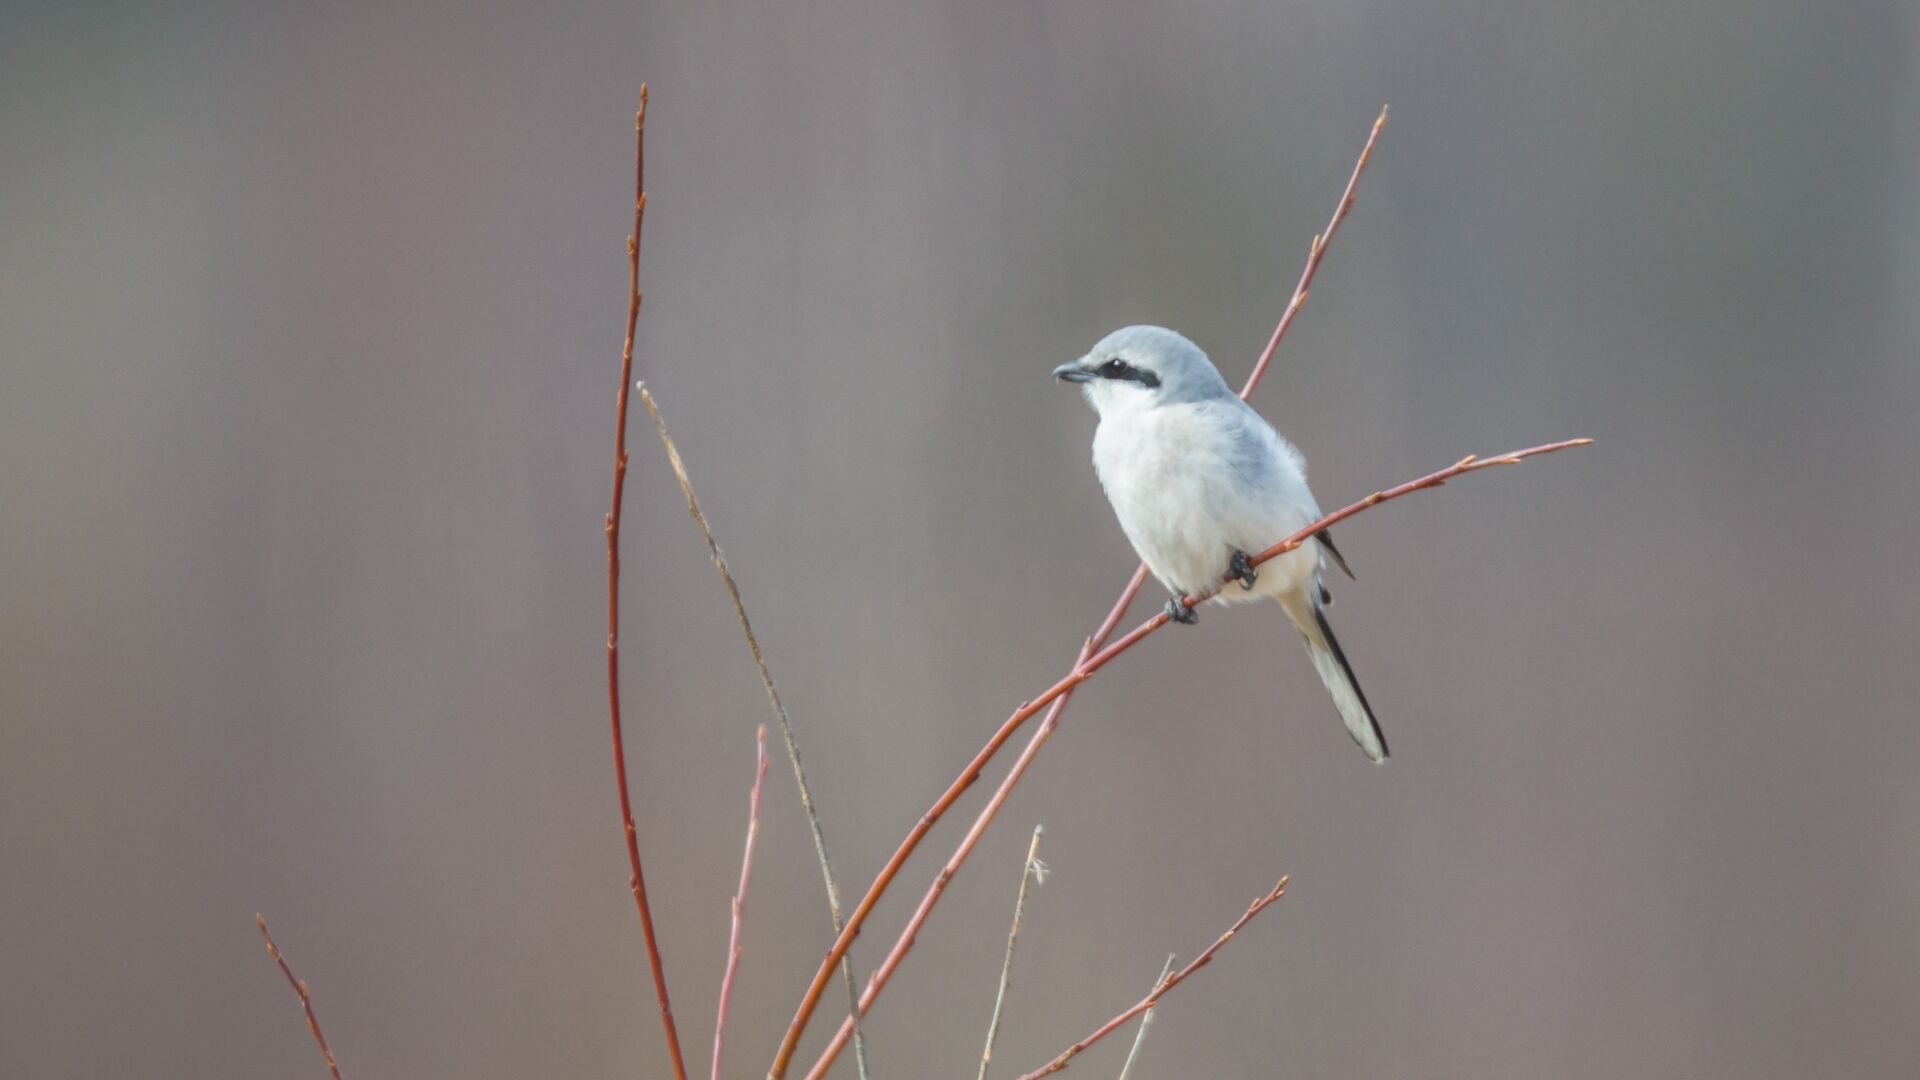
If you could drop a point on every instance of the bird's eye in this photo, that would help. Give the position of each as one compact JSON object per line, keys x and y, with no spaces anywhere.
{"x":1113,"y":369}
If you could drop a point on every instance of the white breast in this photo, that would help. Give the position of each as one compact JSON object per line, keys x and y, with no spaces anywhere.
{"x":1180,"y":483}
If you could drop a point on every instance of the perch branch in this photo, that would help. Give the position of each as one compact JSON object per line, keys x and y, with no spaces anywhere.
{"x":1029,"y":871}
{"x":811,"y":999}
{"x":637,"y":880}
{"x":1092,"y":661}
{"x":740,"y":899}
{"x":773,"y":699}
{"x":1160,"y":991}
{"x":299,"y":987}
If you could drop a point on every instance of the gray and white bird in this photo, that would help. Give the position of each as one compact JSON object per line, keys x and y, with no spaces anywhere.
{"x":1199,"y":482}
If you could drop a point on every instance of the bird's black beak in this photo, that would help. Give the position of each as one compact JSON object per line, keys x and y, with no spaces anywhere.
{"x":1072,"y":373}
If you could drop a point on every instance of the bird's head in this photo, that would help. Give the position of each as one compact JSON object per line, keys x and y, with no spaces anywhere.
{"x":1143,"y":367}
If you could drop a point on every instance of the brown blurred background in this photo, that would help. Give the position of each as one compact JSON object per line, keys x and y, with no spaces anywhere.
{"x":309,"y":325}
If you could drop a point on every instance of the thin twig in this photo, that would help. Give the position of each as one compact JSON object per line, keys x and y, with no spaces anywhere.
{"x":299,"y":987}
{"x":1091,"y":662}
{"x":1315,"y":252}
{"x":1152,"y":999}
{"x":779,"y":709}
{"x":811,"y":999}
{"x":1029,"y":870}
{"x":740,"y":898}
{"x":1140,"y":1034}
{"x":637,"y":881}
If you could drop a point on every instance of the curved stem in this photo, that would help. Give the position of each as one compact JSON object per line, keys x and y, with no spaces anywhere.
{"x":1030,"y":871}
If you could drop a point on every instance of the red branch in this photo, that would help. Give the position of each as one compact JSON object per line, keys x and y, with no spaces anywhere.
{"x":1059,"y":692}
{"x":299,"y":987}
{"x":1160,"y":991}
{"x":638,"y":880}
{"x":1315,"y":252}
{"x":740,"y":900}
{"x":809,"y":1001}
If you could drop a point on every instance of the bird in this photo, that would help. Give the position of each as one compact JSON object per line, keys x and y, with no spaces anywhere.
{"x":1199,"y":480}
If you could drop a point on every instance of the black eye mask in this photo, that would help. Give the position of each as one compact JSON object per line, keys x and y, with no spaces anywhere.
{"x":1122,"y":371}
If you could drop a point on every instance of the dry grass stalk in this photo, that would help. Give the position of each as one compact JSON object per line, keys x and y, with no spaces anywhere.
{"x":1030,"y":871}
{"x":1140,"y":1035}
{"x":773,"y":699}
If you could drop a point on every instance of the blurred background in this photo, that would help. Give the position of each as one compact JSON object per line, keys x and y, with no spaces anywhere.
{"x":309,"y":331}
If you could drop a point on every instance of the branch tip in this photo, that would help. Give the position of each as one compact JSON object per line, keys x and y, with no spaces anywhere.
{"x":1160,"y":990}
{"x":306,"y":999}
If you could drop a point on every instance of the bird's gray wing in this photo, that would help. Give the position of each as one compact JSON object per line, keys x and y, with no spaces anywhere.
{"x":1326,"y":541}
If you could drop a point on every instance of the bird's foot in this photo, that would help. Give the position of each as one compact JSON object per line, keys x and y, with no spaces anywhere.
{"x":1240,"y":569}
{"x":1181,"y":613}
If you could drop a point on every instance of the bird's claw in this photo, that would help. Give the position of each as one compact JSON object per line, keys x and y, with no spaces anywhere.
{"x":1179,"y":612}
{"x":1240,"y":568}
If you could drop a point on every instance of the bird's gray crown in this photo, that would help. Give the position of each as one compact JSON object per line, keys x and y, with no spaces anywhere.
{"x":1147,"y":359}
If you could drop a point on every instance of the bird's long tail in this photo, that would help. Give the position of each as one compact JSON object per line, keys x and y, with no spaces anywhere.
{"x":1303,"y":606}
